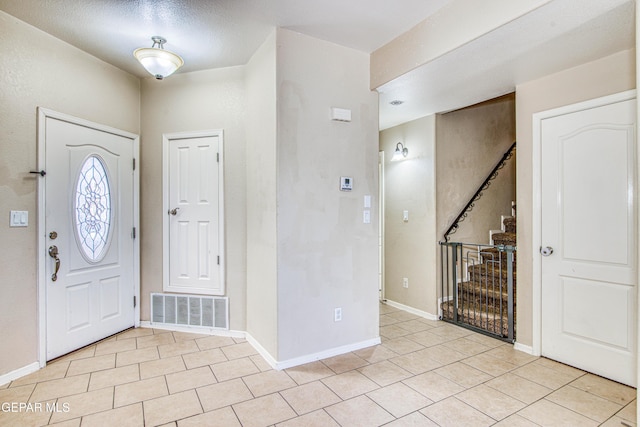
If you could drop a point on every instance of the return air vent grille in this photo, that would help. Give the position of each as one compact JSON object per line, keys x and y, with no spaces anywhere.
{"x":192,"y":310}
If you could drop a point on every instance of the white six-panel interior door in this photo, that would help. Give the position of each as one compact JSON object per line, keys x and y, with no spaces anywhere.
{"x":194,"y":233}
{"x":588,"y":236}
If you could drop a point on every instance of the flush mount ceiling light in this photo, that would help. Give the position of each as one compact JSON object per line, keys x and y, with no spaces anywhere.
{"x":400,"y":153}
{"x":158,"y":62}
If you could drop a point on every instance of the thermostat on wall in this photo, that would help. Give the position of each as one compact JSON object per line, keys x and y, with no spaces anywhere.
{"x":346,"y":183}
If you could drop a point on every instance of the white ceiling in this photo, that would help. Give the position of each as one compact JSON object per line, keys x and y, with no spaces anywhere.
{"x":220,"y":33}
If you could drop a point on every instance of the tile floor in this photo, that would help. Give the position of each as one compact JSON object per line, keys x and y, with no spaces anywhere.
{"x":425,"y":373}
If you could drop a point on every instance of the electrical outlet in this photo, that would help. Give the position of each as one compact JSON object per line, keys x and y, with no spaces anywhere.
{"x":337,"y":314}
{"x":405,"y":282}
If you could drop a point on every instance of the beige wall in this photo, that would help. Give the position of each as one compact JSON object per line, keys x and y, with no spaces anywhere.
{"x":327,"y":257}
{"x":609,"y":75}
{"x":410,"y":185}
{"x":453,"y":26}
{"x":212,"y":99}
{"x":38,"y":70}
{"x":470,"y":142}
{"x":262,"y":275}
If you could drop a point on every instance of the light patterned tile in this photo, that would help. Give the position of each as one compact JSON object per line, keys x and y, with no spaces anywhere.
{"x":490,"y":365}
{"x":442,"y":354}
{"x":375,"y":354}
{"x":393,"y":331}
{"x":203,"y":358}
{"x":385,"y":373}
{"x":414,"y":326}
{"x":466,"y":346}
{"x":584,"y":403}
{"x":219,"y":395}
{"x":520,"y":388}
{"x":516,"y":420}
{"x":509,"y":354}
{"x":136,"y":356}
{"x":433,"y":386}
{"x":154,"y":340}
{"x":427,"y":339}
{"x":607,"y":389}
{"x":214,"y":342}
{"x":416,"y":363}
{"x":359,"y":411}
{"x":314,"y":419}
{"x":171,"y":408}
{"x":191,"y":379}
{"x":490,"y":401}
{"x":344,"y":362}
{"x":84,"y":404}
{"x":546,"y":413}
{"x":309,"y":372}
{"x":52,"y":371}
{"x":403,"y":316}
{"x":310,"y":397}
{"x":350,"y":384}
{"x":234,"y":369}
{"x":386,"y":320}
{"x":134,"y":333}
{"x":155,"y":368}
{"x":113,"y":377}
{"x":97,"y":363}
{"x":185,"y":336}
{"x":544,"y":376}
{"x":402,"y":345}
{"x":263,"y":411}
{"x":126,"y":416}
{"x":628,"y":413}
{"x":399,"y":399}
{"x":178,"y":348}
{"x":450,"y":332}
{"x":452,"y":412}
{"x":224,"y":417}
{"x":259,"y":361}
{"x":268,"y":382}
{"x":59,"y":388}
{"x":237,"y":351}
{"x":462,"y":374}
{"x":17,"y":394}
{"x":415,"y":419}
{"x":116,"y":346}
{"x":139,"y":391}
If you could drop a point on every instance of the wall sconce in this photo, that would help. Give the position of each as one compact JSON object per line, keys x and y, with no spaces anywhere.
{"x":400,"y":153}
{"x":158,"y":62}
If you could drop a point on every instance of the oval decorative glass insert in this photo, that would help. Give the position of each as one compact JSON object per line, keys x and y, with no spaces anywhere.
{"x":93,"y":208}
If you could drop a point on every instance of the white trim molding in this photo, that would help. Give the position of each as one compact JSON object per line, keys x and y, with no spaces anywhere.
{"x":286,"y":364}
{"x":412,"y":310}
{"x":20,"y":372}
{"x":194,"y":329}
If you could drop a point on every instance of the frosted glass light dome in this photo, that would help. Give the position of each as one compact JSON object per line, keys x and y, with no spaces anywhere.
{"x":159,"y":62}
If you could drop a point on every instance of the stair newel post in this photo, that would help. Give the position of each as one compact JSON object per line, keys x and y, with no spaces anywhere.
{"x":454,"y":275}
{"x":510,"y":250}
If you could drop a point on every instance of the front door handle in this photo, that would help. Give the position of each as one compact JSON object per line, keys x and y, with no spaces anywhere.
{"x":53,"y":253}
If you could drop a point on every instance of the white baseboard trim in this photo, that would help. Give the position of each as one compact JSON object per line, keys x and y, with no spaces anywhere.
{"x":193,"y":329}
{"x":286,"y":364}
{"x":20,"y":372}
{"x":412,"y":310}
{"x":524,"y":348}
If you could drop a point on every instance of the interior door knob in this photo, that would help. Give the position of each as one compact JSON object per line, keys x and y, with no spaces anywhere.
{"x":173,"y":211}
{"x":546,"y":251}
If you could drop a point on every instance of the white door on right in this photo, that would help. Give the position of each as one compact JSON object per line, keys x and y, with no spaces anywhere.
{"x":589,"y":239}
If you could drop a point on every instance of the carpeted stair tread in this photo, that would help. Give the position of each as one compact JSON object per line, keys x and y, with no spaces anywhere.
{"x":491,"y":321}
{"x":495,"y":254}
{"x":504,"y":239}
{"x":509,"y":224}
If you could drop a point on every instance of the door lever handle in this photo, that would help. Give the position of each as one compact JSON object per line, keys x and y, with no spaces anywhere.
{"x":53,"y":253}
{"x":173,"y":211}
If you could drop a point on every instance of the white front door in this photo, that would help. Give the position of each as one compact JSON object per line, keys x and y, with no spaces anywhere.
{"x":194,"y":211}
{"x":588,"y":239}
{"x":89,"y":264}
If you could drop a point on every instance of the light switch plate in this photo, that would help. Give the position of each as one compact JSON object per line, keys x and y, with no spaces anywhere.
{"x":19,"y":219}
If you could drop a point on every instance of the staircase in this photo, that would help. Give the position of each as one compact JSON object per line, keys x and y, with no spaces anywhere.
{"x":476,"y":279}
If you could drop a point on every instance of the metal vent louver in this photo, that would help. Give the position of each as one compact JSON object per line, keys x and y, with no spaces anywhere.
{"x":192,"y":310}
